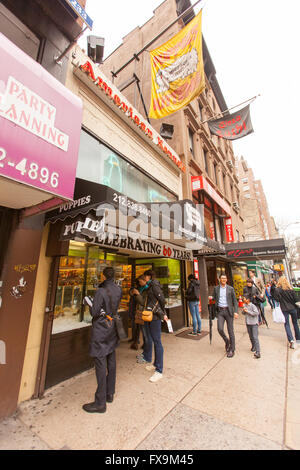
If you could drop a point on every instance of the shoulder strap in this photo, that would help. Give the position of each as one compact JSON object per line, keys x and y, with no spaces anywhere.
{"x":108,"y":293}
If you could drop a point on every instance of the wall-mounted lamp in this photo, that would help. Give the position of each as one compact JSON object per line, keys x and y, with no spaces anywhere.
{"x":166,"y":131}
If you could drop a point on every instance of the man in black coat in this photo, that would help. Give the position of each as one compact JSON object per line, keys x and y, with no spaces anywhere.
{"x":226,"y":309}
{"x":104,"y":340}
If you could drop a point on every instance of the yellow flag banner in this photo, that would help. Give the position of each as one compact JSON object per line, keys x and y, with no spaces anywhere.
{"x":177,"y":71}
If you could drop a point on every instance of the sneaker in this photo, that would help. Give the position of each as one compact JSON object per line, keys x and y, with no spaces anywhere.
{"x":292,"y":344}
{"x":151,"y":367}
{"x":141,"y":360}
{"x":155,"y":377}
{"x":191,"y":333}
{"x":199,"y":333}
{"x":230,"y":354}
{"x":256,"y":355}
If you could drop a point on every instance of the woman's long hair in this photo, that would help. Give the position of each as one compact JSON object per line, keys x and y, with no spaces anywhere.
{"x":284,"y":283}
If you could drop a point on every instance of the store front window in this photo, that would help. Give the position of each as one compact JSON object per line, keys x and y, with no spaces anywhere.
{"x":79,"y":275}
{"x":99,"y":164}
{"x":168,"y":274}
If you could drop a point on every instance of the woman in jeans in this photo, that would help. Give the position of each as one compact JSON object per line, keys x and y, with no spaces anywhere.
{"x":153,"y":299}
{"x":193,"y":297}
{"x":287,"y":299}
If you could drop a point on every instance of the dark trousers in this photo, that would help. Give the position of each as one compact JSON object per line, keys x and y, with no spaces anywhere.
{"x":106,"y":377}
{"x":288,"y":330}
{"x":224,"y":316}
{"x":253,"y":335}
{"x":153,"y":336}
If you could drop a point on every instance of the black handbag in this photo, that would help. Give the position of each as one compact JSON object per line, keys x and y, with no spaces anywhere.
{"x":120,"y":327}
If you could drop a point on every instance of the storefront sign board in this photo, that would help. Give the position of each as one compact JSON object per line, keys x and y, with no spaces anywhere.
{"x":40,"y":122}
{"x":200,"y":183}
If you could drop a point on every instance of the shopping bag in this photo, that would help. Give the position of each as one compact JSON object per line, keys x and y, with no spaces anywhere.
{"x":278,"y":316}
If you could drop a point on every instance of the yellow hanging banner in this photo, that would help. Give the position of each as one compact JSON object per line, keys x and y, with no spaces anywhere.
{"x":177,"y":71}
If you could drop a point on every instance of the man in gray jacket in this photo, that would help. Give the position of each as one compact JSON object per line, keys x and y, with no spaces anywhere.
{"x":226,"y":310}
{"x":251,"y":312}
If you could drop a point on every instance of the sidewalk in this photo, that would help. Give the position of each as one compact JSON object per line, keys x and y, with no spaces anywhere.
{"x":204,"y":401}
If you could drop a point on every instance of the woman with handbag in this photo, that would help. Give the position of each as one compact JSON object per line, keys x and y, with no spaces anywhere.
{"x":152,"y":302}
{"x":287,"y":299}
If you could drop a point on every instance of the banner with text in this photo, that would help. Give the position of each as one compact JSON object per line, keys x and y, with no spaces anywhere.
{"x":177,"y":71}
{"x":234,"y":126}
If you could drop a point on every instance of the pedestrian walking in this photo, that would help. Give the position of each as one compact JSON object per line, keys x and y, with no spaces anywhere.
{"x":104,"y":340}
{"x":285,"y":295}
{"x":226,"y":310}
{"x":153,"y":299}
{"x":269,"y":296}
{"x":193,"y":297}
{"x":258,"y":283}
{"x":251,"y":315}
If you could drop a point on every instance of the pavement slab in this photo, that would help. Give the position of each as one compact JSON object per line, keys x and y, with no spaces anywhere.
{"x":238,"y":403}
{"x":187,"y":429}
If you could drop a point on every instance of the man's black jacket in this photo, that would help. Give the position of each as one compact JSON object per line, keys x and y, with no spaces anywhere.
{"x":107,"y":298}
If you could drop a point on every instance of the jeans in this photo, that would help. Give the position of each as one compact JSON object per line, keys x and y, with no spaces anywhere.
{"x":106,"y":380}
{"x":153,"y":335}
{"x":224,"y":315}
{"x":253,"y":335}
{"x":288,"y":330}
{"x":194,"y":309}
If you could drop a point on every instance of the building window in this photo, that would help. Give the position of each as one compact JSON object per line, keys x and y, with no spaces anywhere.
{"x":237,"y":236}
{"x":18,"y":33}
{"x":224,"y":183}
{"x":200,"y":111}
{"x":216,"y":172}
{"x":245,"y":180}
{"x":206,"y":161}
{"x":191,"y":141}
{"x":246,"y":188}
{"x":99,"y":164}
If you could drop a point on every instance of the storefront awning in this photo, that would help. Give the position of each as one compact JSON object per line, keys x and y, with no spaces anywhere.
{"x":180,"y":223}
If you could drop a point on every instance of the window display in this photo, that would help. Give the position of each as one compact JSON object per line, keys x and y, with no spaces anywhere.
{"x":239,"y":275}
{"x":80,"y":273}
{"x":168,"y":274}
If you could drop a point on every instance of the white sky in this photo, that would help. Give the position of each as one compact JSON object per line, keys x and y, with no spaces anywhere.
{"x":255,"y":49}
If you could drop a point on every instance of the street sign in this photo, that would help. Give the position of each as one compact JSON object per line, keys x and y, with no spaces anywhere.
{"x":81,"y":12}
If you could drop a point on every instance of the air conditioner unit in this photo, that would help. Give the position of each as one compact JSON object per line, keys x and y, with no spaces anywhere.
{"x":236,"y":206}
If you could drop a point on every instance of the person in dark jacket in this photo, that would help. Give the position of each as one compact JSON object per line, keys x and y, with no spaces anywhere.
{"x":104,"y":340}
{"x":226,"y":309}
{"x":193,"y":297}
{"x":287,"y":299}
{"x":153,"y":298}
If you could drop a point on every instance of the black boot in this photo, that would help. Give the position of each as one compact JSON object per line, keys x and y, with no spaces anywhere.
{"x":94,"y":408}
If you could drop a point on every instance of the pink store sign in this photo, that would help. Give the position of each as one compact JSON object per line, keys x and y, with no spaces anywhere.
{"x":40,"y":122}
